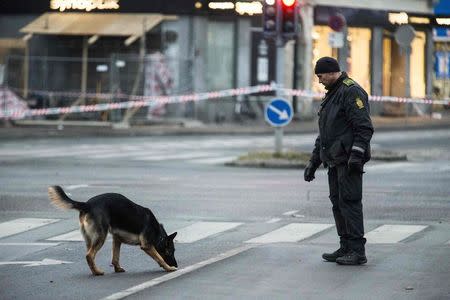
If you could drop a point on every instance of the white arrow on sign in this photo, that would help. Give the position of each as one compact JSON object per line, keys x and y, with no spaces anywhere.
{"x":44,"y":262}
{"x":283,"y":115}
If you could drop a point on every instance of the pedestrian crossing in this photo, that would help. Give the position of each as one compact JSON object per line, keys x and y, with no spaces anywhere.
{"x":294,"y":232}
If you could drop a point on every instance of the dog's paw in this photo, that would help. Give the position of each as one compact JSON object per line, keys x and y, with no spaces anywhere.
{"x":171,"y":269}
{"x":98,"y":273}
{"x":119,"y":270}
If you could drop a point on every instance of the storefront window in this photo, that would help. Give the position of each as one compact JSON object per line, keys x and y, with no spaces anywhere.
{"x":359,"y":56}
{"x":220,"y":55}
{"x":418,"y":65}
{"x":394,"y":64}
{"x":359,"y":53}
{"x":387,"y":49}
{"x":321,"y":48}
{"x":441,"y":87}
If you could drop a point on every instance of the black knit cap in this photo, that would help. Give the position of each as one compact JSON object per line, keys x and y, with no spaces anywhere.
{"x":326,"y":65}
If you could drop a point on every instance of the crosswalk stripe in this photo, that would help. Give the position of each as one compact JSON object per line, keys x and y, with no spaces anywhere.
{"x":22,"y":224}
{"x":73,"y":236}
{"x":29,"y":244}
{"x":293,"y":232}
{"x":201,"y":230}
{"x":388,"y":234}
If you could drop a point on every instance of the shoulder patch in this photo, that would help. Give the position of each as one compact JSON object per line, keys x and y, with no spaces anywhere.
{"x":348,"y":82}
{"x":359,"y":103}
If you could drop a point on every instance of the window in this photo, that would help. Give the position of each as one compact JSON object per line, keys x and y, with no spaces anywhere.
{"x":359,"y":53}
{"x":220,"y":55}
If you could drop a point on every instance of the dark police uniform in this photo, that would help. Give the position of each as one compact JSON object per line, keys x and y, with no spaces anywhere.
{"x":344,"y":126}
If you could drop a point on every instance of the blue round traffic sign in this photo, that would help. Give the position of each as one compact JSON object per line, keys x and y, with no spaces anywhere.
{"x":279,"y":112}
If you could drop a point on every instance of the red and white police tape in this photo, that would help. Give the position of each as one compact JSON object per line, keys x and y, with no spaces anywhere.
{"x":12,"y":107}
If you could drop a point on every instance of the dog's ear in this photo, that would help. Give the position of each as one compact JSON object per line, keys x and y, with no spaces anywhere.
{"x":172,"y":236}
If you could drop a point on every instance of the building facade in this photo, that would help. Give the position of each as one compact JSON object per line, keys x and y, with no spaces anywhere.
{"x":213,"y":45}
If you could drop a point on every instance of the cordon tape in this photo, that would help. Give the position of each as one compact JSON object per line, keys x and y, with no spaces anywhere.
{"x":22,"y":112}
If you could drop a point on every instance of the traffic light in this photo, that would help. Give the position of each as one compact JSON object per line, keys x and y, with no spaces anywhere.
{"x":289,"y":18}
{"x":270,"y":22}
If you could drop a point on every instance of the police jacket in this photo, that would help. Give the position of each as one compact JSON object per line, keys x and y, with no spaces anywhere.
{"x":344,"y":124}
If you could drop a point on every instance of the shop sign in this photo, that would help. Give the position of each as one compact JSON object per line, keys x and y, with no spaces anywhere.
{"x":442,"y":64}
{"x":398,"y":18}
{"x":86,"y":5}
{"x":403,"y":18}
{"x":241,"y":7}
{"x":441,"y":34}
{"x":443,"y":21}
{"x":336,"y":39}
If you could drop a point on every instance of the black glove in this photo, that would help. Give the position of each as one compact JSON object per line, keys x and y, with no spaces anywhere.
{"x":356,"y":162}
{"x":309,"y":171}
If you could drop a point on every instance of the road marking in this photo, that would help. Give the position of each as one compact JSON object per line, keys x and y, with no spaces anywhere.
{"x":190,"y":155}
{"x":388,"y":234}
{"x":66,"y":152}
{"x":273,"y":220}
{"x":180,"y":272}
{"x":73,"y":236}
{"x":213,"y":160}
{"x":125,"y":154}
{"x":201,"y":230}
{"x":290,"y":213}
{"x":293,"y":232}
{"x":392,"y":165}
{"x":76,"y":186}
{"x":23,"y":224}
{"x":32,"y":263}
{"x":29,"y":244}
{"x":189,"y":234}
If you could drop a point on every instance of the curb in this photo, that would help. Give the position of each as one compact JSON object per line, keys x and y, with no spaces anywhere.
{"x":280,"y":163}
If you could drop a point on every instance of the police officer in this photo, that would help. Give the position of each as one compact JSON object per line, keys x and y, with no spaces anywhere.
{"x":343,"y":146}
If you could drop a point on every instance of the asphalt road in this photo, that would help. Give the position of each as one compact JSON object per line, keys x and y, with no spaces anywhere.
{"x":243,"y":233}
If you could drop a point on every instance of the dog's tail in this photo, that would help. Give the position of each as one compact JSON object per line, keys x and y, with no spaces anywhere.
{"x":60,"y":200}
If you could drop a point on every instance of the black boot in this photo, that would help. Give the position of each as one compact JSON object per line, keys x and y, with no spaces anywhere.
{"x":338,"y":253}
{"x":352,"y":258}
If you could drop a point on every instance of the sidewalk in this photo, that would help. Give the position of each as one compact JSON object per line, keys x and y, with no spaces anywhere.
{"x":37,"y":128}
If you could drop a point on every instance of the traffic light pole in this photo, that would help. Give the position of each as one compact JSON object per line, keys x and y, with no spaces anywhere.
{"x":280,"y":21}
{"x":279,"y":79}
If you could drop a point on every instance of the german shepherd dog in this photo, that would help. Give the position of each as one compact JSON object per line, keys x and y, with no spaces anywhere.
{"x":127,"y":222}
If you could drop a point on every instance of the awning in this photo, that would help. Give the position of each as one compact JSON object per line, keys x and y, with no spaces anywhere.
{"x":12,"y":43}
{"x":91,"y":24}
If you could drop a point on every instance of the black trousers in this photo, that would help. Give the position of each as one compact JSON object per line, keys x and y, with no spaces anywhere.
{"x":346,"y":196}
